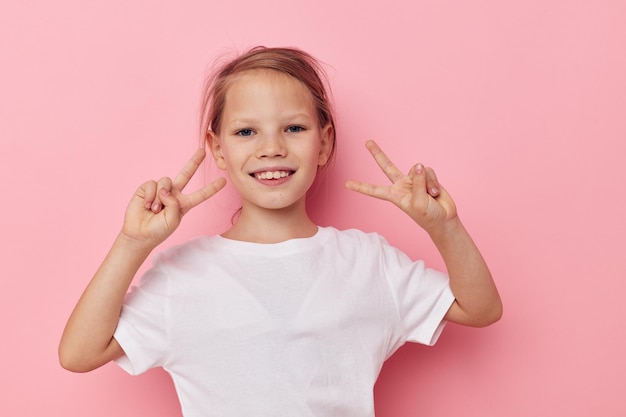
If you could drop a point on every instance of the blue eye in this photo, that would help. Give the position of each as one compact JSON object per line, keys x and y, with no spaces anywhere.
{"x":245,"y":132}
{"x":295,"y":129}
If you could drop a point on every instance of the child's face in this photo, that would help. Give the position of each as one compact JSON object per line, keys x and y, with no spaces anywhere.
{"x":270,"y":142}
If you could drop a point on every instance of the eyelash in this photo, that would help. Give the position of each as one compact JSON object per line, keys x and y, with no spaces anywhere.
{"x":241,"y":132}
{"x":299,"y":129}
{"x":249,"y":132}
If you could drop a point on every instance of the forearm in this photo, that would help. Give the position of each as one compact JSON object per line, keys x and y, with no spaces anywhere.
{"x":477,"y":300}
{"x":88,"y":336}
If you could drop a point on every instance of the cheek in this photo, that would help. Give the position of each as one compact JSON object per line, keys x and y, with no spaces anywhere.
{"x":234,"y":159}
{"x":229,"y":157}
{"x":317,"y":153}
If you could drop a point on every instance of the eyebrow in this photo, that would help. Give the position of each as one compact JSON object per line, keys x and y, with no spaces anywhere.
{"x":247,"y":121}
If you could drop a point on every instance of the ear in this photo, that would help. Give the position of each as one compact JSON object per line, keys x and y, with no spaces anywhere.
{"x":215,"y":145}
{"x":327,"y":139}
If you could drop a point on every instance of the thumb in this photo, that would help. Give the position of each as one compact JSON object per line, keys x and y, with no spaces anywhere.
{"x":418,"y":178}
{"x":171,"y":208}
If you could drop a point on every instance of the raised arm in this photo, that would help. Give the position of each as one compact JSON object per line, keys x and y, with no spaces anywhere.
{"x":420,"y":195}
{"x":153,"y":214}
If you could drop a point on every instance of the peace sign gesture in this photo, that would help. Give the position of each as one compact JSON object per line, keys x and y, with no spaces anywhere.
{"x":157,"y":207}
{"x":417,"y":193}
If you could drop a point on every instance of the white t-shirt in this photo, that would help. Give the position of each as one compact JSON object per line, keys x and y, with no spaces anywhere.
{"x":298,"y":328}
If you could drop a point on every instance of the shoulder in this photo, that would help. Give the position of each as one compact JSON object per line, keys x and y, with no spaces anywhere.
{"x":355,"y":241}
{"x":187,"y":253}
{"x":354,"y":236}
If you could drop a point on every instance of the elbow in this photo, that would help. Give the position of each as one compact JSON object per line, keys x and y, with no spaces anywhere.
{"x":77,"y":357}
{"x":489,"y":317}
{"x":69,"y":365}
{"x":491,"y":311}
{"x":477,"y":317}
{"x":71,"y":361}
{"x":497,"y":310}
{"x":75,"y":366}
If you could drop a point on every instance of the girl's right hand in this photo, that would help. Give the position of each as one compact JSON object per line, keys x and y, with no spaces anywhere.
{"x":157,"y":207}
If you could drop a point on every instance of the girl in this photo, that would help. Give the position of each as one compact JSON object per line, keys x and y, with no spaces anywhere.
{"x":276,"y":316}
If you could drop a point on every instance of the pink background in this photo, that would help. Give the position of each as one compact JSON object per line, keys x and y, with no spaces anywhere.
{"x":520,"y":106}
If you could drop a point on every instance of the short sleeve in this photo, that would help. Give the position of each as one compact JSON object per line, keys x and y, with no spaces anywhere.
{"x":143,"y":328}
{"x":422,"y":297}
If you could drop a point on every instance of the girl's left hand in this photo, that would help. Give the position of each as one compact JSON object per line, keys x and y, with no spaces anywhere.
{"x":418,"y":193}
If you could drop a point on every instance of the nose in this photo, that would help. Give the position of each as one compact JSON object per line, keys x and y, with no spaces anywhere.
{"x":271,"y":146}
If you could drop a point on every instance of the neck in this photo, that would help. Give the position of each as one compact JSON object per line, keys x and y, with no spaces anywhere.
{"x":259,"y":225}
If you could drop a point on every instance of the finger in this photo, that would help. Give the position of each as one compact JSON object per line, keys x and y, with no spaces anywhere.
{"x":371,"y":190}
{"x":424,"y":178}
{"x":425,"y":182}
{"x":163,"y":184}
{"x":147,"y":191}
{"x":418,"y":179}
{"x":190,"y":168}
{"x":432,"y":183}
{"x":203,"y":194}
{"x":168,"y":199}
{"x":391,"y":171}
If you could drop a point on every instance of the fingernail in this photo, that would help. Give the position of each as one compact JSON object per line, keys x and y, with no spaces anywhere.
{"x":156,"y":207}
{"x":419,"y":168}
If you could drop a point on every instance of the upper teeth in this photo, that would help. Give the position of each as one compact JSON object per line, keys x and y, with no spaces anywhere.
{"x":269,"y":175}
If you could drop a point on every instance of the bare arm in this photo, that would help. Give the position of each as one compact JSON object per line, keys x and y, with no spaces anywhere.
{"x":477,"y":302}
{"x":87,"y":342}
{"x":153,"y":214}
{"x":419,"y":194}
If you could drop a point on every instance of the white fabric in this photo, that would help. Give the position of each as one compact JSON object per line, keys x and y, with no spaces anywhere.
{"x":298,"y":328}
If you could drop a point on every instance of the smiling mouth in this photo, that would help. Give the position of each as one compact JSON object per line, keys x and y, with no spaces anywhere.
{"x":271,"y":175}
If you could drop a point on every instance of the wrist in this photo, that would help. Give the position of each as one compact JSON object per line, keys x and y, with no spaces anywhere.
{"x":134,"y":245}
{"x":446,"y":229}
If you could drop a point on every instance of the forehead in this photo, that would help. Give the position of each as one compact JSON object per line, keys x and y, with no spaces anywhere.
{"x":265,"y":86}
